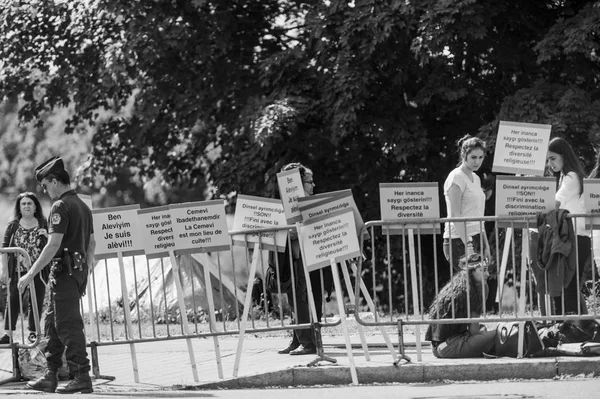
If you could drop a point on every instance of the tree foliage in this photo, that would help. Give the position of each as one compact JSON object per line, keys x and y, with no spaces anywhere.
{"x":365,"y":92}
{"x":184,"y":97}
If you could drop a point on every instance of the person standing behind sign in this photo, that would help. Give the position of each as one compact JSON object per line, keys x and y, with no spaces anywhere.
{"x":465,"y":198}
{"x":70,"y":250}
{"x":569,"y":195}
{"x":465,"y":292}
{"x":303,"y":341}
{"x":27,"y":230}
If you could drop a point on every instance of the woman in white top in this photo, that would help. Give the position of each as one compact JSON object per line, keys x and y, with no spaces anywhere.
{"x":569,"y":195}
{"x":465,"y":198}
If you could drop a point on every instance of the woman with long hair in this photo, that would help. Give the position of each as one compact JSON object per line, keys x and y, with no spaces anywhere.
{"x":569,"y":174}
{"x":28,"y":230}
{"x":462,"y":297}
{"x":465,"y":198}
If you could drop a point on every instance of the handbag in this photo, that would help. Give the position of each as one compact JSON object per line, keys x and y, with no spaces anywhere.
{"x":507,"y":340}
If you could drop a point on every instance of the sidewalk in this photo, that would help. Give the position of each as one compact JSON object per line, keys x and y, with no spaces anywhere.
{"x":166,"y":366}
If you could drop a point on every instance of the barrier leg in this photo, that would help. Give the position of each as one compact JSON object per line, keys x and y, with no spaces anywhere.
{"x":96,"y":364}
{"x":316,"y":328}
{"x":401,"y":342}
{"x":313,"y":309}
{"x":316,"y":325}
{"x":17,"y":376}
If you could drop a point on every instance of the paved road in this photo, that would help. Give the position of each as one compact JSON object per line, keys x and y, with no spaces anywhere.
{"x":573,"y":388}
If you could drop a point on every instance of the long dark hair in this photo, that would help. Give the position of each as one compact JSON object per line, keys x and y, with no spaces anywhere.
{"x":571,"y":163}
{"x":38,"y":214}
{"x":456,"y":291}
{"x":468,"y":143}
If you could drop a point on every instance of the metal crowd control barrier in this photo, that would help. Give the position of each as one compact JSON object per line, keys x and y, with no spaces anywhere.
{"x":14,"y":346}
{"x":408,"y":257}
{"x":139,"y":302}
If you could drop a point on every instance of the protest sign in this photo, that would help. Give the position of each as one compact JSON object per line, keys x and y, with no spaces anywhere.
{"x":200,"y":227}
{"x":592,"y":202}
{"x":329,"y":236}
{"x":157,"y":228}
{"x":117,"y":230}
{"x":260,"y":213}
{"x":521,"y":148}
{"x":399,"y":201}
{"x":523,"y":196}
{"x":304,"y":202}
{"x":290,"y":189}
{"x":329,"y":204}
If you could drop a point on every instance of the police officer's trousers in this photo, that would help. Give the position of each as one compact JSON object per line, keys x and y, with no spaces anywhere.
{"x":64,"y":324}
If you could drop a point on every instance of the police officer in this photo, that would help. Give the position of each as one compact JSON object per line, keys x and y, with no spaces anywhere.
{"x":70,"y":250}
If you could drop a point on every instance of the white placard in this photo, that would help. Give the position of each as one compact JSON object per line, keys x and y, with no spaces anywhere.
{"x":521,"y":148}
{"x":329,"y":204}
{"x":304,"y":202}
{"x":260,"y":213}
{"x":399,"y":201}
{"x":200,"y":227}
{"x":157,"y":228}
{"x":331,"y":236}
{"x":290,"y":189}
{"x":523,"y":196}
{"x":592,"y":202}
{"x":117,"y":230}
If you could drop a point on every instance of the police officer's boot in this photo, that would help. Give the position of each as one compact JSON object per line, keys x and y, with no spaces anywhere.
{"x":47,"y":383}
{"x":81,"y":383}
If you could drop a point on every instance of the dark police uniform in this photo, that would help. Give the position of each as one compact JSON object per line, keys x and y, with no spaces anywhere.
{"x":64,"y":324}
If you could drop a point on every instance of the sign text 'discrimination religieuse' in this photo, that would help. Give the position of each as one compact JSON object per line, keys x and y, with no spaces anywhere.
{"x":259,"y":213}
{"x":117,"y":230}
{"x":523,"y":196}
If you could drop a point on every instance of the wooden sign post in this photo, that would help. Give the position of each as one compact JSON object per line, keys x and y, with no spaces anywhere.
{"x":117,"y":234}
{"x":325,"y":241}
{"x":521,"y":149}
{"x":199,"y":227}
{"x":252,"y":213}
{"x":405,"y":201}
{"x":325,"y":204}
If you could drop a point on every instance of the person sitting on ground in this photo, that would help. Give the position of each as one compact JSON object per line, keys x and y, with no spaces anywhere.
{"x":462,"y":297}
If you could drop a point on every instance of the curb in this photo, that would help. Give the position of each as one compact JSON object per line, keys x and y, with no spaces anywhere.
{"x":495,"y":369}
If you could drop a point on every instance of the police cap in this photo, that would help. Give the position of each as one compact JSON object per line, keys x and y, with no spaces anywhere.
{"x":54,"y":164}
